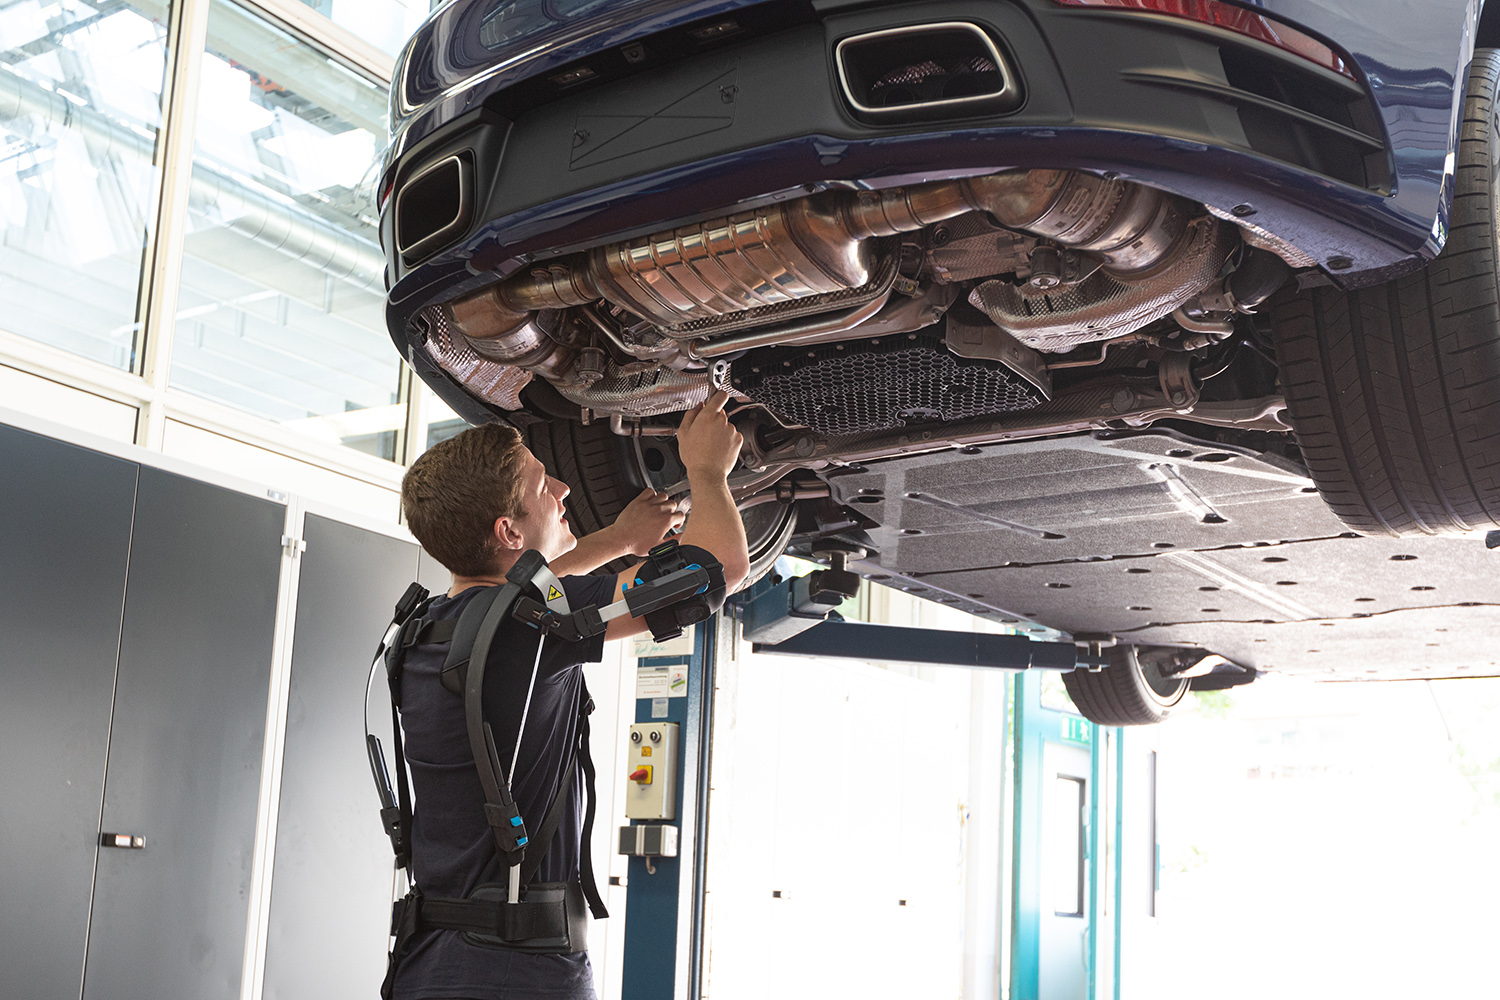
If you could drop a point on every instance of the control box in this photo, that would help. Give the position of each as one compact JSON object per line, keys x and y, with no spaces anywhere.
{"x":651,"y":771}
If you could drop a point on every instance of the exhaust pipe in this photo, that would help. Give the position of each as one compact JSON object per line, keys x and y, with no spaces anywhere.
{"x":923,"y":72}
{"x":824,"y":244}
{"x":435,"y":207}
{"x":820,"y":245}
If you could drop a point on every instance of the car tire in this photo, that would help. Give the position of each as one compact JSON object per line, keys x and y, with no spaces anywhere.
{"x":1129,"y":691}
{"x":1394,"y":390}
{"x":604,"y":474}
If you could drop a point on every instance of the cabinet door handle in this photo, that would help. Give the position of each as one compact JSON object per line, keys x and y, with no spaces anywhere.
{"x":125,"y":840}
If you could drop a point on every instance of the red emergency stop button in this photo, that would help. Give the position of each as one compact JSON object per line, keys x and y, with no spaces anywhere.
{"x":642,"y":774}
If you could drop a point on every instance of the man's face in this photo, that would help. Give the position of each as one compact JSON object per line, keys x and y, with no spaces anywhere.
{"x":543,"y":523}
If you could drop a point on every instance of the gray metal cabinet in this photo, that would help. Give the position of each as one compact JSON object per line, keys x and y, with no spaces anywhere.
{"x":332,"y":882}
{"x":65,"y":515}
{"x":186,"y":743}
{"x":138,"y":621}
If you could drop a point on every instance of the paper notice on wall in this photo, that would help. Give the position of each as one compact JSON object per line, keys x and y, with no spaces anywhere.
{"x":680,"y":646}
{"x":653,"y":682}
{"x":661,"y":682}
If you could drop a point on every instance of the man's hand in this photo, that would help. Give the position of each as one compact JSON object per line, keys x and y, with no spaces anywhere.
{"x":645,"y":522}
{"x":707,"y":442}
{"x":709,"y":446}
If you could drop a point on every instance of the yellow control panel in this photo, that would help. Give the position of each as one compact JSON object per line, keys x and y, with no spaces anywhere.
{"x":651,"y":771}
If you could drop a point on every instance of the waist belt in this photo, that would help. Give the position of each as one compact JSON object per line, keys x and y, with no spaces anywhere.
{"x":552,"y":919}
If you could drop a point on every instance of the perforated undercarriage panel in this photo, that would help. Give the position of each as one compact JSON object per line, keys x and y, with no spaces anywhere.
{"x":1157,"y":538}
{"x":877,"y":384}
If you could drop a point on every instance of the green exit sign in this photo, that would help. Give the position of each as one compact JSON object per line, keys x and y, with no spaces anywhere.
{"x":1076,"y":730}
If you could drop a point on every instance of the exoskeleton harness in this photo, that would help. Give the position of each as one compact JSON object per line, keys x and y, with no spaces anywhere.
{"x":547,"y":918}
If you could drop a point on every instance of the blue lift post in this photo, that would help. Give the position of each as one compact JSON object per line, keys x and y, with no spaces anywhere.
{"x":664,"y":948}
{"x":1119,"y":855}
{"x":1098,"y":764}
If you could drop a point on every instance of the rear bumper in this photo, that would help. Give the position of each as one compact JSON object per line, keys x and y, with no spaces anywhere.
{"x":765,"y":120}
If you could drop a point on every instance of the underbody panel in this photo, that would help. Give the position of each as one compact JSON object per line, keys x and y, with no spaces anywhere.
{"x":1157,"y":538}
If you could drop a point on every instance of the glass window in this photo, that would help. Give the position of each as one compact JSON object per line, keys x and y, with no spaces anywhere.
{"x":894,"y":860}
{"x":80,"y":107}
{"x":385,"y":24}
{"x":1063,"y":841}
{"x":281,"y":306}
{"x":442,"y":422}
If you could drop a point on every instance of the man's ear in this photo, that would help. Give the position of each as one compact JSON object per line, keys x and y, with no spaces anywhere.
{"x":507,"y":536}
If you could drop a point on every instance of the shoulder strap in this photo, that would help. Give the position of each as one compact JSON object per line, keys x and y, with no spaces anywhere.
{"x":586,"y":856}
{"x":472,"y":640}
{"x":578,"y":757}
{"x":465,"y":632}
{"x":500,"y":808}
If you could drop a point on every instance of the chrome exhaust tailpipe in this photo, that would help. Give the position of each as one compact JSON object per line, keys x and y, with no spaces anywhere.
{"x":435,"y":207}
{"x":923,"y":72}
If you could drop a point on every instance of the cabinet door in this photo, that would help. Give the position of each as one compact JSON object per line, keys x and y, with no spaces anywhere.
{"x":332,"y":880}
{"x":186,"y":743}
{"x":64,"y":538}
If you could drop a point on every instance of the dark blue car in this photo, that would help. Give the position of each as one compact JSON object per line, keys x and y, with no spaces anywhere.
{"x":980,"y":275}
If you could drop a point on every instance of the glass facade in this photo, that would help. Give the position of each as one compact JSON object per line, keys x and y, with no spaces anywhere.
{"x":280,"y":312}
{"x":80,"y":110}
{"x":231,"y":272}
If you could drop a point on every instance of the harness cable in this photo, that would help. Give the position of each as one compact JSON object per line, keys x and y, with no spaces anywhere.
{"x":394,"y":814}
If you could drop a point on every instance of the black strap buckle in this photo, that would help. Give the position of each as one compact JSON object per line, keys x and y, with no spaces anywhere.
{"x":406,"y":918}
{"x":509,"y":828}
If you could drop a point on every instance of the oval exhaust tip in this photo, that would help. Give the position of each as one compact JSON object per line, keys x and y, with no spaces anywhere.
{"x":923,"y":72}
{"x":435,"y":207}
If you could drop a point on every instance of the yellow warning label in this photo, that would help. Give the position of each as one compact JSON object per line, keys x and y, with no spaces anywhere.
{"x":553,"y":594}
{"x":645,"y":751}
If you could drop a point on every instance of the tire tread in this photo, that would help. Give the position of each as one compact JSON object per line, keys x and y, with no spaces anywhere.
{"x":1394,"y":390}
{"x":1114,"y":696}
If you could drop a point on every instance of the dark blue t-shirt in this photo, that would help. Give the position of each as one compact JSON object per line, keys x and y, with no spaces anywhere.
{"x":453,"y":851}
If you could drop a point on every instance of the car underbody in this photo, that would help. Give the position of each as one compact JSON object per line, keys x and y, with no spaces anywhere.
{"x":1021,"y":394}
{"x":1123,"y":324}
{"x":856,"y":326}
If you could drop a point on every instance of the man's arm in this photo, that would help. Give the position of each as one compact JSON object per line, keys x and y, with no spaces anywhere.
{"x":643,"y":524}
{"x":708,"y":445}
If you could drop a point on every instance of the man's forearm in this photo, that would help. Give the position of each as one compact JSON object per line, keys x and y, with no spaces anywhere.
{"x":714,"y":524}
{"x":591,"y":552}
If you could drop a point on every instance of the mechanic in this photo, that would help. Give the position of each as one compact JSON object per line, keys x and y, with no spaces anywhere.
{"x":477,"y":502}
